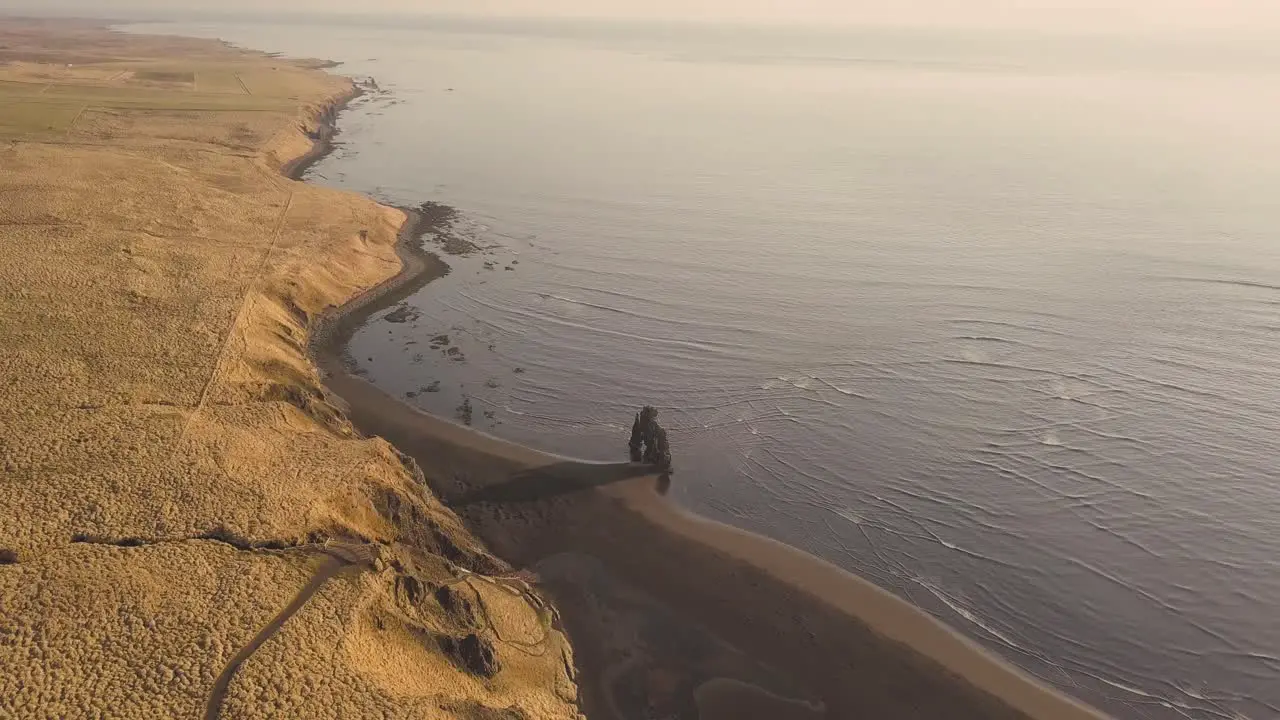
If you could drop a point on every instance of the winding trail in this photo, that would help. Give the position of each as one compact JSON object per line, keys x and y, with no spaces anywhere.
{"x":337,"y":558}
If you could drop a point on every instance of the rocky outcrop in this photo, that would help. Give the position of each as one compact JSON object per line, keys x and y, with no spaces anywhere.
{"x":473,"y":654}
{"x":649,"y":441}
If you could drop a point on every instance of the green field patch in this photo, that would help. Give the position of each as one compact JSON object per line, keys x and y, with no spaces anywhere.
{"x":140,"y":98}
{"x":166,"y":76}
{"x":100,"y":93}
{"x":204,"y":103}
{"x":22,"y":117}
{"x":31,"y":108}
{"x":8,"y":87}
{"x":219,"y":81}
{"x":271,"y":83}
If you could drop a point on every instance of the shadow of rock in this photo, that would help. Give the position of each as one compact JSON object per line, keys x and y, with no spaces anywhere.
{"x":552,"y":481}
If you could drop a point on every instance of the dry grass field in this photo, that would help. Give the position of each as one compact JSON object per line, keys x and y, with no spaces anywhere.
{"x":190,"y":527}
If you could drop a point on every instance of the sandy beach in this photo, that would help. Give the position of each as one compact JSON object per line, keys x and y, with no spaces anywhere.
{"x":669,"y":612}
{"x":190,"y":527}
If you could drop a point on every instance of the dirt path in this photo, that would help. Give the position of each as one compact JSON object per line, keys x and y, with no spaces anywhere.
{"x":337,"y":558}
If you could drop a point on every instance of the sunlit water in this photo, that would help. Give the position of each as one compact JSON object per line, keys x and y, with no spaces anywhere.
{"x":993,"y":320}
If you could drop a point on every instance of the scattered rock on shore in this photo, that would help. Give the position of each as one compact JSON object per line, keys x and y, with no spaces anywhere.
{"x":440,"y":221}
{"x":403,"y":313}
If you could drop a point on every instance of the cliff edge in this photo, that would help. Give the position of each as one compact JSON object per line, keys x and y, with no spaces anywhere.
{"x":191,"y":527}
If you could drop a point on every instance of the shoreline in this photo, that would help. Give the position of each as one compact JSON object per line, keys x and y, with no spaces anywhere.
{"x":326,"y":130}
{"x":322,"y":138}
{"x":330,"y":332}
{"x":215,"y":528}
{"x":851,"y":644}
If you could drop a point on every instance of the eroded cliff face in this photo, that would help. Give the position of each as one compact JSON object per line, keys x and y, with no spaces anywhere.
{"x":190,"y":525}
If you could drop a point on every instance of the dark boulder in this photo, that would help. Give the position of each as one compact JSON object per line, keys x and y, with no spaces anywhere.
{"x":457,"y":607}
{"x":473,"y":654}
{"x":412,"y":589}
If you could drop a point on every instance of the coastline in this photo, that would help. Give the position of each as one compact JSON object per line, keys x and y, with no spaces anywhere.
{"x":322,"y":137}
{"x":853,"y":647}
{"x":329,"y":333}
{"x":216,"y":534}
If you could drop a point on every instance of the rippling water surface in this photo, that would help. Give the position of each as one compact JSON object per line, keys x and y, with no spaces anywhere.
{"x":991,"y":319}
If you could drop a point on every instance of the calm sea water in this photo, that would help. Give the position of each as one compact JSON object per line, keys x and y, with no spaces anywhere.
{"x":992,"y":319}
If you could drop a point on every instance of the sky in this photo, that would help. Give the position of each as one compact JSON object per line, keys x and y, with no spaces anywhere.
{"x":1181,"y":14}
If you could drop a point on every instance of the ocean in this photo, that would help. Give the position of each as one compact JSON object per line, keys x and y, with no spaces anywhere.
{"x":991,"y":318}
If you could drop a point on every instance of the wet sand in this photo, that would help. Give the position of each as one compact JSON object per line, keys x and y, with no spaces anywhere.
{"x":771,"y":619}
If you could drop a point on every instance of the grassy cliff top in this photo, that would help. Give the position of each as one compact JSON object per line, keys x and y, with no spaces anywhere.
{"x":191,"y":527}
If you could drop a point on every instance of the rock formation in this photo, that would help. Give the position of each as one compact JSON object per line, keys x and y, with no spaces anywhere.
{"x":649,"y":440}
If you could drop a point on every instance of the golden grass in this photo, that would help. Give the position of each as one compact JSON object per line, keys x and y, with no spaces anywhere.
{"x":20,"y":117}
{"x":219,"y":81}
{"x":157,"y":276}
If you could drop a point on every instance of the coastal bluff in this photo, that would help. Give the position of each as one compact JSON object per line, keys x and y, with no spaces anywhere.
{"x":190,"y":526}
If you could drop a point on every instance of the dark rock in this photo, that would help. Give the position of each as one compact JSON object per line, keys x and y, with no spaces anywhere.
{"x":637,"y":440}
{"x":660,"y":453}
{"x":457,"y":606}
{"x":8,"y":557}
{"x":418,"y":529}
{"x":648,"y":442}
{"x":402,"y":313}
{"x":448,"y":598}
{"x":474,"y":710}
{"x":473,"y":654}
{"x":443,"y":223}
{"x":412,"y":589}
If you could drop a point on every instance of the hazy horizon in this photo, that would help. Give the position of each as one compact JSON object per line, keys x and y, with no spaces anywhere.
{"x":1182,"y":15}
